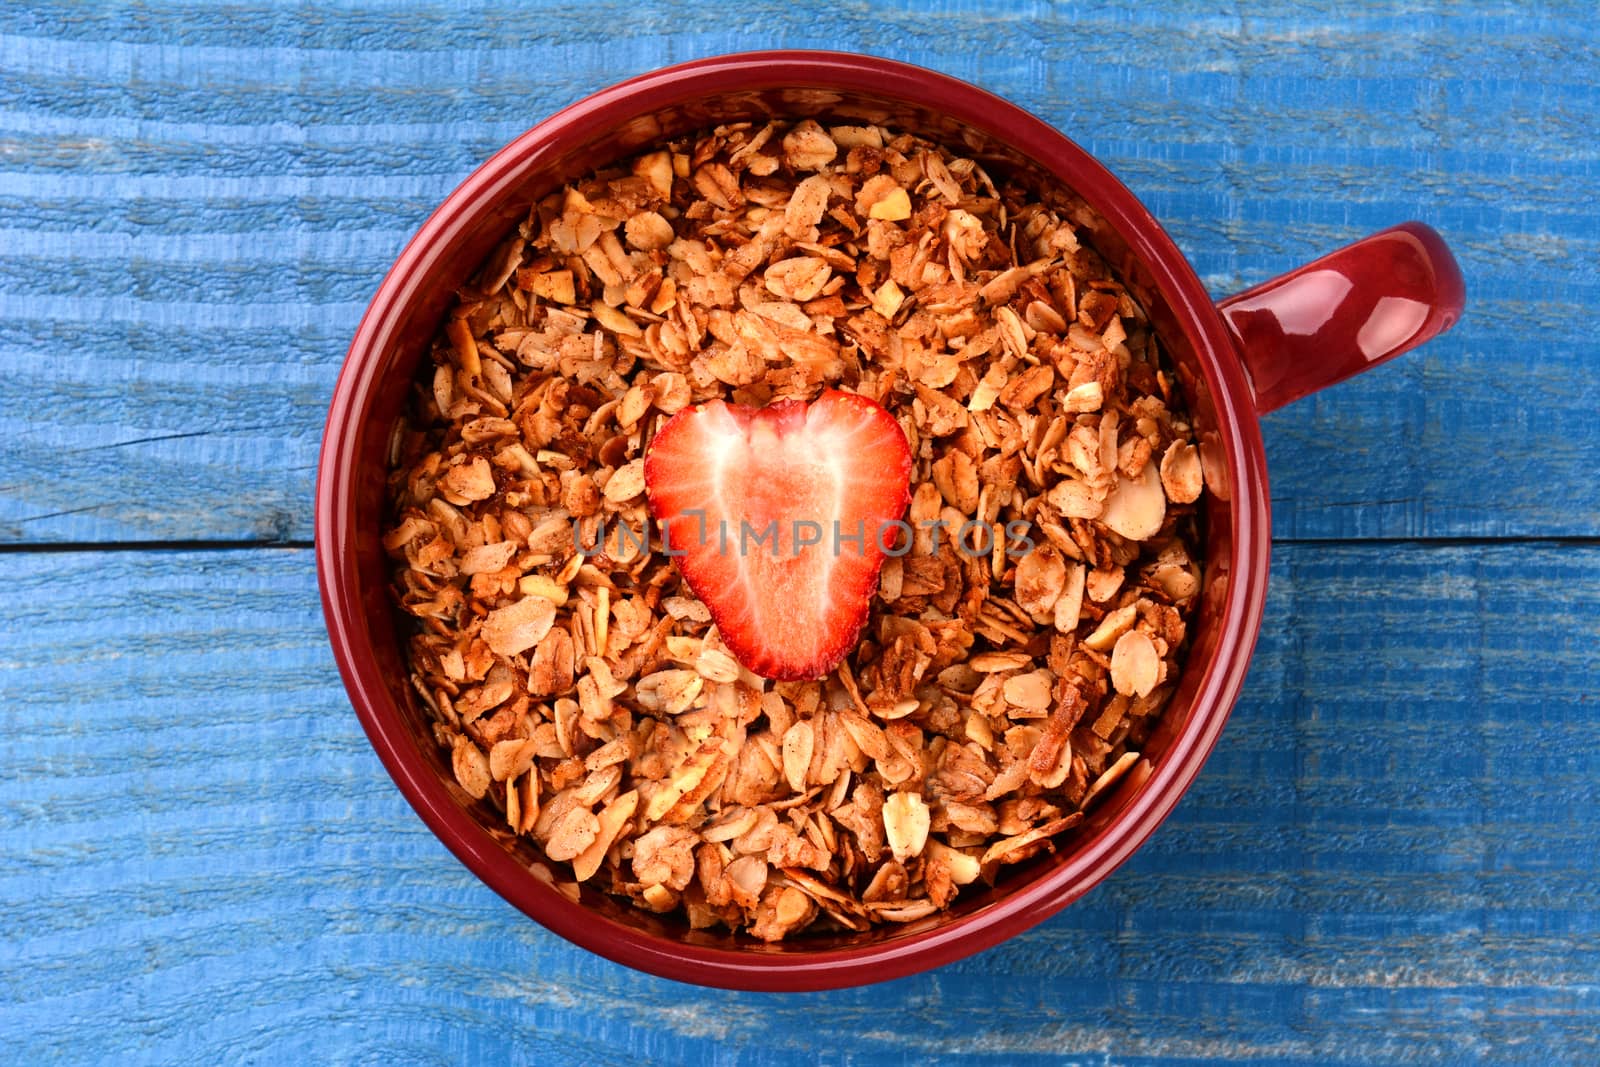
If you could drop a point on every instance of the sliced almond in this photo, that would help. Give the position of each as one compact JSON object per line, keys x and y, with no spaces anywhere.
{"x":905,"y":824}
{"x":1069,"y":607}
{"x":486,"y":559}
{"x":747,"y":879}
{"x":626,"y":483}
{"x":808,"y":146}
{"x":729,"y":824}
{"x":806,"y":206}
{"x":964,"y":869}
{"x":1113,"y":626}
{"x":571,"y":834}
{"x":508,"y":759}
{"x":1103,"y":583}
{"x":867,"y":735}
{"x":903,"y":911}
{"x":798,"y":744}
{"x":1135,"y":664}
{"x":992,"y":662}
{"x":648,"y":231}
{"x":471,"y":768}
{"x":715,"y":665}
{"x":671,"y":692}
{"x":1041,"y":578}
{"x":1136,"y":507}
{"x":610,"y":822}
{"x":1180,"y":473}
{"x":468,"y":482}
{"x":614,"y":320}
{"x":1031,"y":690}
{"x":541,"y":586}
{"x":1175,"y":580}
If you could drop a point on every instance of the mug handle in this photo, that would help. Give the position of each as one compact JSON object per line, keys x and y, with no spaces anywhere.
{"x":1344,"y":313}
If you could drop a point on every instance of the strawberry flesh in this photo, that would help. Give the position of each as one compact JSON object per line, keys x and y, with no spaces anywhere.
{"x":779,"y":518}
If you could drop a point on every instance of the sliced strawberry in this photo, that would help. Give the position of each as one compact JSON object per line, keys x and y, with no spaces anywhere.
{"x":741,"y":491}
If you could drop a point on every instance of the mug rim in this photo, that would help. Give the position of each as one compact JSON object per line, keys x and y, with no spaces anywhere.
{"x":350,"y":629}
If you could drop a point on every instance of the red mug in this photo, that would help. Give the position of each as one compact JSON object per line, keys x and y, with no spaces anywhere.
{"x":1235,"y":360}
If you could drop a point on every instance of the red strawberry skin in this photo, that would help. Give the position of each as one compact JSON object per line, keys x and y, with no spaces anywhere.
{"x":786,"y":609}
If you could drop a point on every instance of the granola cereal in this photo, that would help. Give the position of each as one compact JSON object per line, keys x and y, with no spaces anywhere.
{"x":1016,"y":657}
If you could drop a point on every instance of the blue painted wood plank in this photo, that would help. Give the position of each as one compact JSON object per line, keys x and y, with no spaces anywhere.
{"x":195,"y":203}
{"x":1392,"y":856}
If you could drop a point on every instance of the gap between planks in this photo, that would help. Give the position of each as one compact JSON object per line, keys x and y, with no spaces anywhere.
{"x":21,"y":548}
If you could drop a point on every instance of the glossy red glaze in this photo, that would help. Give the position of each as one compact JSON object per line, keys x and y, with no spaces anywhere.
{"x":406,"y":310}
{"x":1350,"y":310}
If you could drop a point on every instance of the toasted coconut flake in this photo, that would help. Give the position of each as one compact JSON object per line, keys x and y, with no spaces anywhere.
{"x":486,"y":559}
{"x":648,"y":231}
{"x":1013,"y":849}
{"x":799,"y":279}
{"x":808,"y":147}
{"x":1024,"y":390}
{"x":555,"y":286}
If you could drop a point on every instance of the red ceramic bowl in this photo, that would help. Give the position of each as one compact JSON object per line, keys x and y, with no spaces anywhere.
{"x":1254,"y":352}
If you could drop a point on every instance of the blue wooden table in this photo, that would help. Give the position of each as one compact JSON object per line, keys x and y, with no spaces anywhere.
{"x":1394,"y":854}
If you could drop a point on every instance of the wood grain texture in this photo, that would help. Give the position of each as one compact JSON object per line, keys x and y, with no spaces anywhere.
{"x":1393,"y":856}
{"x":196,"y":202}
